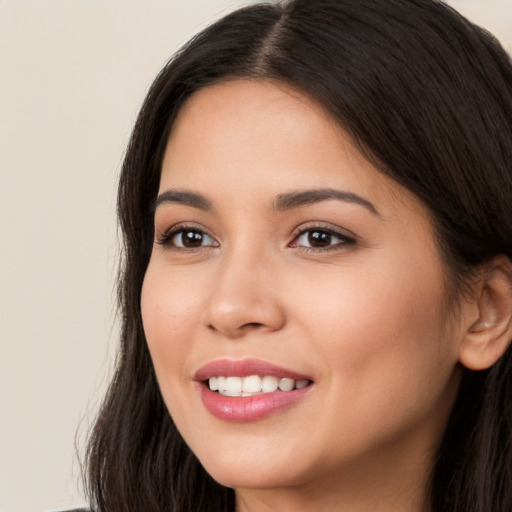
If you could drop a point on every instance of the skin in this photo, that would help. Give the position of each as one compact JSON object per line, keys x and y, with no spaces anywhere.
{"x":363,"y":316}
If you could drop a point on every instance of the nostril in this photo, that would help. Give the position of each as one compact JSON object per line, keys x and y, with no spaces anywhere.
{"x":251,"y":325}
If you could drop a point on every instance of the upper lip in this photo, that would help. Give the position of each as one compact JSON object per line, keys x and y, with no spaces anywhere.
{"x":244,"y":368}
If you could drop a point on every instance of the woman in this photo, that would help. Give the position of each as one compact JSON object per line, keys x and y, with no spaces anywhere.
{"x":316,"y":288}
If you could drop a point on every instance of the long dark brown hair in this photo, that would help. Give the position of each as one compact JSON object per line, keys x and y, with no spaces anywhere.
{"x":428,"y":98}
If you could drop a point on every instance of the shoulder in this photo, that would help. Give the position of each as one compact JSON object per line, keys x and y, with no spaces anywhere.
{"x":82,"y":509}
{"x":74,"y":509}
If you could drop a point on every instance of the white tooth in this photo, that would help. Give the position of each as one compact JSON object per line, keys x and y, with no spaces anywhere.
{"x":229,"y":393}
{"x":233,"y":384}
{"x":286,"y":384}
{"x":301,"y":384}
{"x":246,"y":393}
{"x":221,"y":383}
{"x":269,"y":384}
{"x":214,"y":386}
{"x":251,"y":384}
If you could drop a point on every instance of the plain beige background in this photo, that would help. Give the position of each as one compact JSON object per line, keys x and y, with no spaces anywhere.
{"x":73,"y":74}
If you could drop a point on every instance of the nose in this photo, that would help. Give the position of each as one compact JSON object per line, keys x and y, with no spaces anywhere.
{"x":244,"y":298}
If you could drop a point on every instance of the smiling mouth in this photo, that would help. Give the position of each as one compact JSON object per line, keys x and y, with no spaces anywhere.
{"x":253,"y":385}
{"x":250,"y":389}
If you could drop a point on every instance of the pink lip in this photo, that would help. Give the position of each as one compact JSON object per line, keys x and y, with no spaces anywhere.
{"x":244,"y":409}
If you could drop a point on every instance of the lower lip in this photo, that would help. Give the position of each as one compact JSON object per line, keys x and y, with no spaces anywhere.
{"x":249,"y":408}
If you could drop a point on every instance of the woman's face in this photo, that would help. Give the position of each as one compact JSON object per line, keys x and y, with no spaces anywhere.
{"x":283,"y":258}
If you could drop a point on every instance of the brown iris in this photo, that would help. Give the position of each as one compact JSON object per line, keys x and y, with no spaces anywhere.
{"x":192,"y":239}
{"x":319,"y":238}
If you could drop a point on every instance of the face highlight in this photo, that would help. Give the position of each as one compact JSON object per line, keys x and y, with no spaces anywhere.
{"x":283,"y":259}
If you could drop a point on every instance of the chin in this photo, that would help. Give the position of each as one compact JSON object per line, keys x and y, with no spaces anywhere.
{"x":251,"y":478}
{"x":245,"y":470}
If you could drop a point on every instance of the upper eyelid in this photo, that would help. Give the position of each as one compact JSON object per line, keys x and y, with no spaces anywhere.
{"x":305,"y":227}
{"x":327,"y":230}
{"x":183,"y":226}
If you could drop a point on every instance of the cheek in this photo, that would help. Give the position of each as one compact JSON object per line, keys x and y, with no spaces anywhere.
{"x":381,"y":334}
{"x":362,"y":303}
{"x":169,"y":313}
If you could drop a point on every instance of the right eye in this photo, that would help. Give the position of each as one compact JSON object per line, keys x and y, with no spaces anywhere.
{"x":187,"y":238}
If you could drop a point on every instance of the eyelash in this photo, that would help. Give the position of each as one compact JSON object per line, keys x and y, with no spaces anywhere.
{"x":344,"y":240}
{"x":167,"y":237}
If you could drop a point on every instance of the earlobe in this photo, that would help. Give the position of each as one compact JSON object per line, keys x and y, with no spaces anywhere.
{"x":490,"y":333}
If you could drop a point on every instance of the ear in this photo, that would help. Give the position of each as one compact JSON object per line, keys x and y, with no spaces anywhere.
{"x":489,"y":330}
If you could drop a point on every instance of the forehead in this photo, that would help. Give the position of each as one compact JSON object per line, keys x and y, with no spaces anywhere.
{"x":251,"y":110}
{"x":253,"y":136}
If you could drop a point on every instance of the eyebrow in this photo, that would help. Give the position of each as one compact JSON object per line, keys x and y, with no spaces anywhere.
{"x":286,"y":201}
{"x":297,"y":199}
{"x":183,"y":197}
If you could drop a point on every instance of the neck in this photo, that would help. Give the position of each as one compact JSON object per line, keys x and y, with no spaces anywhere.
{"x":332,"y":499}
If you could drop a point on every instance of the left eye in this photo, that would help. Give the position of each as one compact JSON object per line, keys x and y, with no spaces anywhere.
{"x":320,"y":239}
{"x":191,"y":238}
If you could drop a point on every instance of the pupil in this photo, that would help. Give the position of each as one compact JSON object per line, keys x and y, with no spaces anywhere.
{"x":319,"y":239}
{"x":192,"y":239}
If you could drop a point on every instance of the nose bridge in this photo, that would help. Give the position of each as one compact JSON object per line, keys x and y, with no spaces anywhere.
{"x":242,"y":297}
